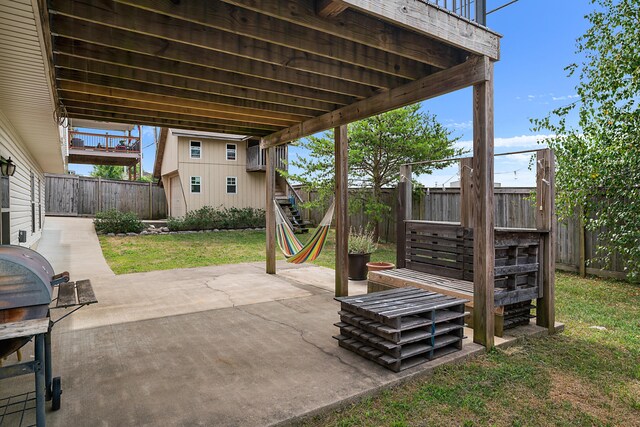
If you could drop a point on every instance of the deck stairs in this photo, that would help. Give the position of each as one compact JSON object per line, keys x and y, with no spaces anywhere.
{"x":290,"y":207}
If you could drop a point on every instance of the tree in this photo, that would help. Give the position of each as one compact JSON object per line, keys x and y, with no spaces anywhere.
{"x":599,"y":159}
{"x":378,"y":146}
{"x":108,"y":172}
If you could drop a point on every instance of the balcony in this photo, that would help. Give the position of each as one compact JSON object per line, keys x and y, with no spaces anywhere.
{"x":103,"y":149}
{"x":257,"y":158}
{"x":473,"y":10}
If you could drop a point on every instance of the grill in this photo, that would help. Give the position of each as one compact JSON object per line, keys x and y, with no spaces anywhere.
{"x":28,"y":286}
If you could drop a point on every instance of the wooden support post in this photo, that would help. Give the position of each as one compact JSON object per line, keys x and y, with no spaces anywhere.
{"x":483,"y":230}
{"x":342,"y":218}
{"x":404,"y":213}
{"x":545,"y":220}
{"x":270,"y":209}
{"x":466,"y":193}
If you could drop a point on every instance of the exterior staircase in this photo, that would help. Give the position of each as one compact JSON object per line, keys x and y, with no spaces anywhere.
{"x":289,"y":205}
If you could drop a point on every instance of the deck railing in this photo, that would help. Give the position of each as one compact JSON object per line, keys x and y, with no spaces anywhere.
{"x":257,"y":158}
{"x":474,"y":10}
{"x":103,"y":142}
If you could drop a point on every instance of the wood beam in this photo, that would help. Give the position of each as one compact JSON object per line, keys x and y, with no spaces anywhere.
{"x":330,"y":8}
{"x":341,"y":150}
{"x":359,"y":28}
{"x":150,"y":122}
{"x":143,"y":118}
{"x":166,"y":28}
{"x":216,"y":109}
{"x":231,"y":105}
{"x":483,"y":229}
{"x":471,"y":72}
{"x":232,"y":19}
{"x":158,"y":110}
{"x":166,"y":49}
{"x":270,"y":210}
{"x":80,"y":49}
{"x":545,"y":220}
{"x":434,"y":22}
{"x":147,"y":113}
{"x":178,"y":82}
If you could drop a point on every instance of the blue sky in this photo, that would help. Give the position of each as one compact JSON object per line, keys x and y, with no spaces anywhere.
{"x":538,"y":43}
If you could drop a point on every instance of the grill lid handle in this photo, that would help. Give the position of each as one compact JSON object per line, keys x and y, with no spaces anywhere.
{"x":60,"y":278}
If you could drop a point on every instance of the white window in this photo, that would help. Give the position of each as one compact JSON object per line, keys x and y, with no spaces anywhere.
{"x":231,"y":151}
{"x":232,"y":185}
{"x":195,"y":184}
{"x":195,"y":149}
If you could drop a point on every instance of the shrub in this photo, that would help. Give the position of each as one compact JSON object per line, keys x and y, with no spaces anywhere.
{"x":361,"y":242}
{"x":208,"y":218}
{"x":112,"y":221}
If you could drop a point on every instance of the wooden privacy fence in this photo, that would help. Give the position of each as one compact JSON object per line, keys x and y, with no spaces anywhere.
{"x":70,"y":195}
{"x":514,"y":207}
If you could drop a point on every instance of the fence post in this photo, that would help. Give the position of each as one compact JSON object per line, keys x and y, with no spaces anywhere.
{"x":582,"y":263}
{"x":466,"y":193}
{"x":99,"y":194}
{"x":150,"y":200}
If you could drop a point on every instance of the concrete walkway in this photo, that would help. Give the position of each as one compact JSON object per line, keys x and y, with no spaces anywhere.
{"x":224,"y":346}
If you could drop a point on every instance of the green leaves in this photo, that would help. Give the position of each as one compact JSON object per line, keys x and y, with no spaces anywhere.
{"x":378,"y":146}
{"x":599,"y":160}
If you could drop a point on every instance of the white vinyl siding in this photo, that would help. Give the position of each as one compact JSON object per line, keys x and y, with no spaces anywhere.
{"x":232,"y":152}
{"x":20,"y":196}
{"x":196,"y":185}
{"x":213,"y":168}
{"x":195,"y":149}
{"x":232,"y":185}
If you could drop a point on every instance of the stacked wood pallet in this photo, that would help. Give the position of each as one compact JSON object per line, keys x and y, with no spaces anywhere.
{"x":401,"y":328}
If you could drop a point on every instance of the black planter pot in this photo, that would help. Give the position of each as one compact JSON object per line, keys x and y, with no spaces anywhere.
{"x":358,"y":266}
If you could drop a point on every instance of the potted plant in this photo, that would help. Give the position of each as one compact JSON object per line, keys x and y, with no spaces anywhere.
{"x":361,"y":245}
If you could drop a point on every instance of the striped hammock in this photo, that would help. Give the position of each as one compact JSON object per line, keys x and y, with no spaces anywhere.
{"x":291,"y":247}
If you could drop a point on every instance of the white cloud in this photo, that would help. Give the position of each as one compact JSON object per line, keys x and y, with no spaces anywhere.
{"x":462,"y":125}
{"x":564,"y":97}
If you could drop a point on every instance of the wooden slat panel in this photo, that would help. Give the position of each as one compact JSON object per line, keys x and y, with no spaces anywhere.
{"x":85,"y":292}
{"x":66,"y":295}
{"x":23,"y":328}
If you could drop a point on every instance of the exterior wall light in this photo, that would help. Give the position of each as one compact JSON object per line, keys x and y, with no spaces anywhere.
{"x":7,"y":167}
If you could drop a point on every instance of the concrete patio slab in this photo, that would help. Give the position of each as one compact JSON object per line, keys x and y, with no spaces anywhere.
{"x":224,"y":346}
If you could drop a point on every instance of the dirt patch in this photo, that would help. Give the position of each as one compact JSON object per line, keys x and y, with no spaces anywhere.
{"x":589,"y":399}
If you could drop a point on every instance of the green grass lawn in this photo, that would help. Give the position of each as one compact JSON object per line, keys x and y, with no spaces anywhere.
{"x":164,"y":252}
{"x":584,"y":376}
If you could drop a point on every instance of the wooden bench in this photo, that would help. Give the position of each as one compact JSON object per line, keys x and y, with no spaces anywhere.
{"x":439,"y":258}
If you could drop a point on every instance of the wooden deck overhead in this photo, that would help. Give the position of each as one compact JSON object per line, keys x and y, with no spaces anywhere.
{"x":267,"y":68}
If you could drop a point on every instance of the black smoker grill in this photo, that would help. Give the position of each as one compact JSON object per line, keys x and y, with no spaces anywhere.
{"x":28,"y":286}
